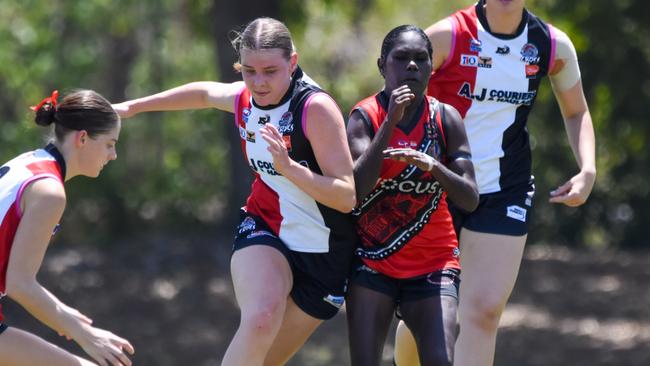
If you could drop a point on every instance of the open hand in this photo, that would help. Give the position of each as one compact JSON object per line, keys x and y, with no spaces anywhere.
{"x":105,"y":347}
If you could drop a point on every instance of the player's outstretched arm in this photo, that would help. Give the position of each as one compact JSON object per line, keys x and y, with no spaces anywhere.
{"x":196,"y":95}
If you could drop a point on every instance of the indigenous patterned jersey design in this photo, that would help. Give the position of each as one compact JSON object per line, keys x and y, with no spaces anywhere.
{"x":404,"y":223}
{"x":303,"y":224}
{"x":492,"y":79}
{"x":15,"y":176}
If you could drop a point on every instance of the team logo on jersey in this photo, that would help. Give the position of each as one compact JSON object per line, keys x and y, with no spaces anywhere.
{"x":485,"y":62}
{"x":336,"y":301}
{"x":4,"y":171}
{"x":516,"y":212}
{"x":476,"y":61}
{"x":469,"y":60}
{"x":242,"y":133}
{"x":456,"y":252}
{"x":247,"y":225}
{"x":503,"y":50}
{"x":475,"y":45}
{"x":529,"y":54}
{"x":245,"y":114}
{"x":250,"y":136}
{"x":285,"y":125}
{"x":531,"y":71}
{"x":264,"y":119}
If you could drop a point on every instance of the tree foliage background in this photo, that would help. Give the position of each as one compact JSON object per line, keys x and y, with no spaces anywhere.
{"x":160,"y":217}
{"x":183,"y":170}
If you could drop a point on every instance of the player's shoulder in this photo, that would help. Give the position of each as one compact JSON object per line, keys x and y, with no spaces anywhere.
{"x":451,"y":116}
{"x":564,"y":48}
{"x":562,"y":39}
{"x":323,"y":107}
{"x":368,"y":102}
{"x":441,"y":29}
{"x":46,"y":193}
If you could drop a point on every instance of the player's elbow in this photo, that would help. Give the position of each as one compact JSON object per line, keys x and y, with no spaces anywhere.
{"x":347,"y":204}
{"x":473,"y":199}
{"x":346,"y":200}
{"x":472,"y":204}
{"x":18,"y":287}
{"x":470,"y":200}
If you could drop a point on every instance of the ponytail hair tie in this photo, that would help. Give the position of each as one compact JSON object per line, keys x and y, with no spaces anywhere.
{"x":51,"y":100}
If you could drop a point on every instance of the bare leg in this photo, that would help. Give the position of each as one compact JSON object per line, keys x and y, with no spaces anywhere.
{"x":262,"y":279}
{"x":296,"y":328}
{"x":490,"y":264}
{"x":20,"y":348}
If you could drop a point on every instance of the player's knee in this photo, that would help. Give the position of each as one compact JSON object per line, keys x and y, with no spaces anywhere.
{"x":484,"y":312}
{"x":264,"y":318}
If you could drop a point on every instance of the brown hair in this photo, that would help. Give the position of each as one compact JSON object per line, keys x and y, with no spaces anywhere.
{"x":80,"y":110}
{"x":262,"y":34}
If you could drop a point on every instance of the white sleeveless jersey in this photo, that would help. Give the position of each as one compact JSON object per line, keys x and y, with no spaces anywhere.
{"x":303,"y":224}
{"x":492,"y":79}
{"x":15,"y":176}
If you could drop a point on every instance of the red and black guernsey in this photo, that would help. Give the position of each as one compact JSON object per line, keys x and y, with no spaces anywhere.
{"x":302,"y":223}
{"x":404,"y":224}
{"x":15,"y":176}
{"x":492,"y":80}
